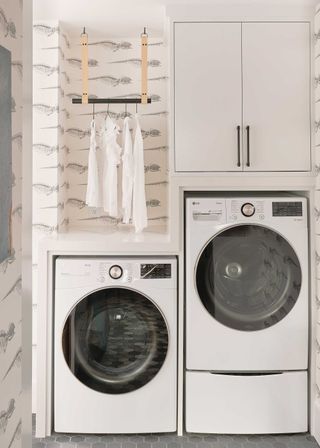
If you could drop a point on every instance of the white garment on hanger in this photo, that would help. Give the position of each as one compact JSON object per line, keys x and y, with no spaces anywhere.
{"x":127,"y":172}
{"x":112,"y":160}
{"x":93,"y":185}
{"x":139,"y":207}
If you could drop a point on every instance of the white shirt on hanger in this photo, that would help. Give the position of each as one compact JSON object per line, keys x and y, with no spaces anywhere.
{"x":110,"y":174}
{"x":127,"y":172}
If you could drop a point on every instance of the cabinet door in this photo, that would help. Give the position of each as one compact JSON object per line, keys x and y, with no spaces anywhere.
{"x":207,"y":83}
{"x":276,"y":96}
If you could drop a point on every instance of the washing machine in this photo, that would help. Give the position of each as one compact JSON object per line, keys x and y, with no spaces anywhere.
{"x":115,"y":345}
{"x":246,"y":314}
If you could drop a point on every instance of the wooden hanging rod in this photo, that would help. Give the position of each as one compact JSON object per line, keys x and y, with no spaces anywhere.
{"x":109,"y":101}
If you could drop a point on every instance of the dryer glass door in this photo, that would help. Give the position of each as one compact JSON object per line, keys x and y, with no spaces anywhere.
{"x":248,"y":277}
{"x":115,"y":340}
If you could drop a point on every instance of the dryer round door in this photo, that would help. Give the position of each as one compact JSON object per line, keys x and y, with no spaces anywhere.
{"x":248,"y":277}
{"x":115,"y":340}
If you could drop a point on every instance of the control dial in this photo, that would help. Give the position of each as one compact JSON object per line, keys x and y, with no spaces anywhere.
{"x":115,"y":272}
{"x":248,"y":209}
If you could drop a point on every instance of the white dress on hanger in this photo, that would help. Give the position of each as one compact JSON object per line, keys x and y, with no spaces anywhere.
{"x":93,"y":185}
{"x":127,"y":172}
{"x":139,"y":207}
{"x":110,"y":174}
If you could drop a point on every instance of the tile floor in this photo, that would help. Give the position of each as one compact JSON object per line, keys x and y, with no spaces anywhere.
{"x":172,"y":441}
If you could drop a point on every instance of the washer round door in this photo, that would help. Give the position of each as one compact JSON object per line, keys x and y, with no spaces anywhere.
{"x":115,"y":340}
{"x":248,"y":277}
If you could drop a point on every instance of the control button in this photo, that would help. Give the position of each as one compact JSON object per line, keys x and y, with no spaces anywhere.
{"x":261,"y":217}
{"x":247,"y":209}
{"x":115,"y":272}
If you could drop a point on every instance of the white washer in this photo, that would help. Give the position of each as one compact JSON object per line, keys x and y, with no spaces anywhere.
{"x":115,"y":345}
{"x":246,"y":314}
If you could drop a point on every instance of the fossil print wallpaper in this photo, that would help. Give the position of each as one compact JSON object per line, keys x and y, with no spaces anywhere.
{"x":10,"y":267}
{"x":61,"y":129}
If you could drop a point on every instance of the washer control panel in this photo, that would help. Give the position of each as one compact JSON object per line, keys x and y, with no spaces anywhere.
{"x":242,"y":208}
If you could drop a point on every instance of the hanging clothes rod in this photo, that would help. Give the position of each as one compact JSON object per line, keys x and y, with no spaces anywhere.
{"x":110,"y":101}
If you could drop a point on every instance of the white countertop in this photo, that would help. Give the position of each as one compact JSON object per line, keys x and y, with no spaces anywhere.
{"x":110,"y":240}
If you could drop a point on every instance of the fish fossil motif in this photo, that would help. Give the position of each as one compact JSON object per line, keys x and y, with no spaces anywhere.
{"x":153,"y":168}
{"x":153,"y":203}
{"x":13,"y":105}
{"x":64,"y":222}
{"x":80,"y":169}
{"x":159,"y":218}
{"x":163,"y":113}
{"x":66,"y":76}
{"x":317,"y":169}
{"x":137,"y":61}
{"x":44,"y":228}
{"x":45,"y":149}
{"x":59,"y":206}
{"x":65,"y":149}
{"x":78,"y":96}
{"x":16,"y":362}
{"x":58,"y":167}
{"x":317,"y":302}
{"x":46,"y":189}
{"x":152,"y":184}
{"x":151,"y":133}
{"x":158,"y":78}
{"x":79,"y":133}
{"x":105,"y":219}
{"x":17,"y":434}
{"x":59,"y":127}
{"x":317,"y":257}
{"x":45,"y":29}
{"x":16,"y":287}
{"x":112,"y":80}
{"x":45,"y":109}
{"x":155,"y":44}
{"x":157,"y":148}
{"x":66,"y":40}
{"x":59,"y":88}
{"x":316,"y":213}
{"x":17,"y":139}
{"x":317,"y":126}
{"x":65,"y":185}
{"x":5,"y":338}
{"x":76,"y":203}
{"x":45,"y":69}
{"x":6,"y":415}
{"x":114,"y":46}
{"x":17,"y":211}
{"x":7,"y":25}
{"x":17,"y":65}
{"x":77,"y":62}
{"x":66,"y":112}
{"x":11,"y":259}
{"x":55,"y":48}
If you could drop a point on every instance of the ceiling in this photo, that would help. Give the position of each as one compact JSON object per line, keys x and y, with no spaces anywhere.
{"x":121,"y":18}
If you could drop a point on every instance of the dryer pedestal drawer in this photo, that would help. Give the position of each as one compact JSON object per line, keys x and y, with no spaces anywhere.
{"x":246,"y":404}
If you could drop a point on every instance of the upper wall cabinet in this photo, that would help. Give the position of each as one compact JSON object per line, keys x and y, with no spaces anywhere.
{"x":242,"y":96}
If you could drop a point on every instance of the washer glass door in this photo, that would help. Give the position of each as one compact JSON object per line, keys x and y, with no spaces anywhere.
{"x":248,"y":277}
{"x":115,"y":340}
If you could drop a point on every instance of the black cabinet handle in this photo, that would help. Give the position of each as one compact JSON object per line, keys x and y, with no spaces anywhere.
{"x":248,"y":145}
{"x":239,"y":148}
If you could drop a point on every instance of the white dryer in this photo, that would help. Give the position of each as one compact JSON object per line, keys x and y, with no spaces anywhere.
{"x":115,"y":345}
{"x":246,"y":314}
